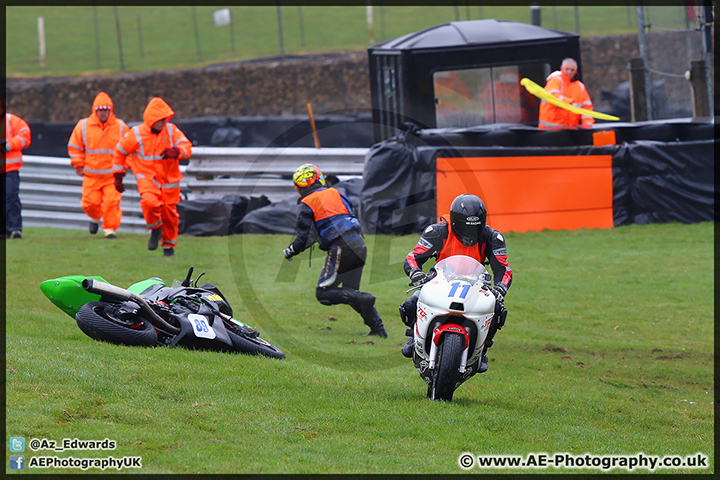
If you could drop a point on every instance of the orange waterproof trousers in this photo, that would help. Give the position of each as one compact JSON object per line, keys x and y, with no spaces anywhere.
{"x":101,"y":199}
{"x":159,"y":207}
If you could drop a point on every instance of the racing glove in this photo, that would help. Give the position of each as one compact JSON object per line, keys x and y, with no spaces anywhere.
{"x":417,"y":277}
{"x":499,"y":291}
{"x":79,"y":171}
{"x":119,"y":182}
{"x":289,"y":252}
{"x":173,"y":152}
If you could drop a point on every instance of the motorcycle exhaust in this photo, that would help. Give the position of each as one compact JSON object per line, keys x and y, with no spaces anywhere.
{"x":120,"y":294}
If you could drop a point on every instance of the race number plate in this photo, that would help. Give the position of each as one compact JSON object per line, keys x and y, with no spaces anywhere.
{"x":201,"y":326}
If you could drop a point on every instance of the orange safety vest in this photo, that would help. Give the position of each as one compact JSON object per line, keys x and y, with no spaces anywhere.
{"x":93,"y":143}
{"x":568,"y":91}
{"x":453,"y":246}
{"x":332,"y":216}
{"x":18,"y":138}
{"x":146,"y":149}
{"x":325,"y":203}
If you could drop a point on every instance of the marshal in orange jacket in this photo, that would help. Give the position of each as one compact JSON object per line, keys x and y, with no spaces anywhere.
{"x":18,"y":137}
{"x":91,"y":147}
{"x":568,"y":91}
{"x":158,"y":178}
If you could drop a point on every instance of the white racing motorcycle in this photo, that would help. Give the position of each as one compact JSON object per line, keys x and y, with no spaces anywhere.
{"x":454,"y":313}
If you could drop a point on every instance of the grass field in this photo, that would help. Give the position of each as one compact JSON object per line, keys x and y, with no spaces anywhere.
{"x":607,"y":350}
{"x":83,"y":39}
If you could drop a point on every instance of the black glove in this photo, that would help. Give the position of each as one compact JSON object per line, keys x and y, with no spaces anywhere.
{"x":417,"y":277}
{"x":499,"y":291}
{"x":3,"y":147}
{"x":119,"y":182}
{"x":289,"y":252}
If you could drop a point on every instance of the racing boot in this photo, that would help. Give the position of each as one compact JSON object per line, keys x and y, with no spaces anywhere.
{"x":370,"y":315}
{"x":482,"y":368}
{"x":154,"y":240}
{"x":377,"y":328}
{"x":407,"y":349}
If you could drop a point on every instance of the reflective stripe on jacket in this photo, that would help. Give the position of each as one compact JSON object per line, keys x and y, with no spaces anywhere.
{"x":568,"y":91}
{"x":333,"y":215}
{"x":18,"y":138}
{"x":93,"y":143}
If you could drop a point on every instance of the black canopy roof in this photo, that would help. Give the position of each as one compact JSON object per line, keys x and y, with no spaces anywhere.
{"x":472,"y":32}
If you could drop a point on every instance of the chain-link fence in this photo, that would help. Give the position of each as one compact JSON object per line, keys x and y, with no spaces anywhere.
{"x":674,"y":38}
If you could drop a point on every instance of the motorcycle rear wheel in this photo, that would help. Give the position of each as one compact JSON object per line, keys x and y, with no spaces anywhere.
{"x":255,"y":346}
{"x":105,"y":322}
{"x":447,"y":367}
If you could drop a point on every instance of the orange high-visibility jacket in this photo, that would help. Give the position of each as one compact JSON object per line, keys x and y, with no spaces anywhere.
{"x":93,"y":143}
{"x":17,"y":136}
{"x":146,"y":148}
{"x":568,"y":91}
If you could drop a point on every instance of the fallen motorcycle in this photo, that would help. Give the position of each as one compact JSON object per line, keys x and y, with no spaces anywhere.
{"x":149,"y":313}
{"x":454,"y":313}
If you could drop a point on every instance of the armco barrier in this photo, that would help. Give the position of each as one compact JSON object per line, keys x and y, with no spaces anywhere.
{"x":50,"y":190}
{"x":265,"y":171}
{"x":50,"y":193}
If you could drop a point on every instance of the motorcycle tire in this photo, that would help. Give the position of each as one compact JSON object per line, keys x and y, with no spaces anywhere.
{"x":99,"y":320}
{"x":255,"y":346}
{"x":447,"y":367}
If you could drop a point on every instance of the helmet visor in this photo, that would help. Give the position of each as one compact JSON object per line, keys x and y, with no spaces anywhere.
{"x":467,"y":229}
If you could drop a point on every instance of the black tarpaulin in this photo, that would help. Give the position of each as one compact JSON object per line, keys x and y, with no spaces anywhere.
{"x":280,"y":217}
{"x":215,"y":216}
{"x":397,"y":196}
{"x":658,"y":182}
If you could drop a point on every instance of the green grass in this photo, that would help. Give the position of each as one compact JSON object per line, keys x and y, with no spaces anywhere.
{"x":608,"y":349}
{"x":163,"y":37}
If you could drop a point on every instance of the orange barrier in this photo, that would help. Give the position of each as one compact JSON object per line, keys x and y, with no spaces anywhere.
{"x":532,"y":193}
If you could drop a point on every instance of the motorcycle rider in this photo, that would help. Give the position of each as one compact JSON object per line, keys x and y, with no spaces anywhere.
{"x":463,"y":232}
{"x":339,"y":233}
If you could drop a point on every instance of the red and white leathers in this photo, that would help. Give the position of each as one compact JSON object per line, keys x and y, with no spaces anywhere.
{"x":17,"y":138}
{"x":568,"y":91}
{"x":438,"y":241}
{"x":91,"y":148}
{"x":158,"y":178}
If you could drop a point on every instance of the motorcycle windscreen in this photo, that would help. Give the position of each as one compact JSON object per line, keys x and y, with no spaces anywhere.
{"x":532,"y":193}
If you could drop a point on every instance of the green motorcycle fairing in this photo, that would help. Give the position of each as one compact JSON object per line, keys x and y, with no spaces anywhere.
{"x":139,"y":287}
{"x":67,"y":293}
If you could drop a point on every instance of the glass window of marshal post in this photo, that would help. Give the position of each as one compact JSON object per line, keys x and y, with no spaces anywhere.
{"x":480,"y":96}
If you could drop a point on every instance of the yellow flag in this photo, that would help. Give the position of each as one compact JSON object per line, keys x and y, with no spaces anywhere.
{"x":540,"y":92}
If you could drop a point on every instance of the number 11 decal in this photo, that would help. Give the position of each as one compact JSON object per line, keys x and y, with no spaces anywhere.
{"x":455,"y":286}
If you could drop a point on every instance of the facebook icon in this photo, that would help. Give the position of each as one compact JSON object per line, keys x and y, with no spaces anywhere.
{"x":17,"y":462}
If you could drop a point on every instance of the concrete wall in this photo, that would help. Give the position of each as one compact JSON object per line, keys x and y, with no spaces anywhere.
{"x":331,"y":83}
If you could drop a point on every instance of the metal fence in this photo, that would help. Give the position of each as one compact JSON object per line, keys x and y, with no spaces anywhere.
{"x":669,"y":90}
{"x":50,"y":190}
{"x":128,"y":37}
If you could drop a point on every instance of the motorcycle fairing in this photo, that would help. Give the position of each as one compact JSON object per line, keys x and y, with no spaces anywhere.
{"x":67,"y":293}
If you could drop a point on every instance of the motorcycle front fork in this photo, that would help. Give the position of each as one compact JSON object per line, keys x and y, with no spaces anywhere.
{"x":433,"y":357}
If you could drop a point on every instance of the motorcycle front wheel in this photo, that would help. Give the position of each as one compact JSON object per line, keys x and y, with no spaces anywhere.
{"x":447,"y":367}
{"x":255,"y":346}
{"x":108,"y":322}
